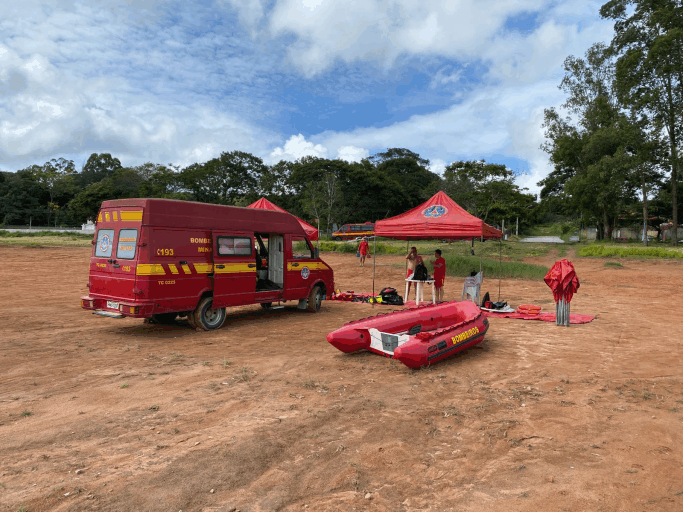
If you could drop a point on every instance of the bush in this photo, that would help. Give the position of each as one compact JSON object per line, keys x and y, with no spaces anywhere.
{"x":346,"y":247}
{"x":606,"y":251}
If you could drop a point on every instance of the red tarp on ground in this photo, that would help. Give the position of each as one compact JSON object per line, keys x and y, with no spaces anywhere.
{"x":545,"y":317}
{"x":264,"y":204}
{"x":439,"y":218}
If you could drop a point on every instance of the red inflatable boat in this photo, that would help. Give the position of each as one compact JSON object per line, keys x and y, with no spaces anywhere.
{"x":417,"y":336}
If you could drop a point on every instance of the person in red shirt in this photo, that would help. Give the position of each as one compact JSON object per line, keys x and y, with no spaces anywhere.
{"x":363,"y":249}
{"x":439,"y":274}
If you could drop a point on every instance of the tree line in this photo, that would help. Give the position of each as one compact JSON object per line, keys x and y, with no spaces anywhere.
{"x":329,"y":191}
{"x":616,"y":148}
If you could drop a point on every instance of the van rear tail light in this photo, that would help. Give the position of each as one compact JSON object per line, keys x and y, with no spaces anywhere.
{"x":131,"y":310}
{"x":86,"y":303}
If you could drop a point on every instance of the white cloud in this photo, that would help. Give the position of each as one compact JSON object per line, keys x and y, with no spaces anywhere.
{"x":76,"y":79}
{"x":381,"y":30}
{"x":352,"y":153}
{"x":437,"y":166}
{"x":296,"y":147}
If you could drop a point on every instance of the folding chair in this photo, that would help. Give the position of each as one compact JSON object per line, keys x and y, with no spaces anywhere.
{"x":471,"y":289}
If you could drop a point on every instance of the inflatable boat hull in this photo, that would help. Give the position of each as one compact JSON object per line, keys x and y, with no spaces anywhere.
{"x":417,"y":336}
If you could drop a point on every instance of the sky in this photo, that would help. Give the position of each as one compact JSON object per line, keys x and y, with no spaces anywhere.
{"x":182,"y":82}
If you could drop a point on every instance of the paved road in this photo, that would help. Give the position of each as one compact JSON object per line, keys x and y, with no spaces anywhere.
{"x":543,"y":239}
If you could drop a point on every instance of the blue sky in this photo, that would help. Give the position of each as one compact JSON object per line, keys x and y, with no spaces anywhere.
{"x":181,"y":82}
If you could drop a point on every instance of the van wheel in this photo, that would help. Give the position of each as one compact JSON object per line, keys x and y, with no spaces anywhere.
{"x":315,"y":298}
{"x":190,"y":320}
{"x":208,"y":318}
{"x":266,"y":305}
{"x":337,"y":239}
{"x":165,"y":318}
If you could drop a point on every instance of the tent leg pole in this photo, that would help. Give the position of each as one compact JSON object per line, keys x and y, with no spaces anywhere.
{"x":500,"y":265}
{"x":374,"y":259}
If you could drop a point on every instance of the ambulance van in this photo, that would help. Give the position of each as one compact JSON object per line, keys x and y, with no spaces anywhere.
{"x":354,"y":231}
{"x":161,"y":258}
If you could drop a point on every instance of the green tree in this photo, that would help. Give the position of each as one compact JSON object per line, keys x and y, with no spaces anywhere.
{"x":648,"y":40}
{"x":595,"y":155}
{"x":58,"y":177}
{"x":411,"y":172}
{"x":160,"y":181}
{"x":87,"y":203}
{"x":97,"y":167}
{"x":230,"y":179}
{"x":486,"y":189}
{"x":23,"y":198}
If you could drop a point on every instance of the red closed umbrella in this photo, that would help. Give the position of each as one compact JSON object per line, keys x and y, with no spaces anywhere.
{"x":564,"y":283}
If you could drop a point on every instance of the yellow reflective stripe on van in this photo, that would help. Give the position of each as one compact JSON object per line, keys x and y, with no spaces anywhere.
{"x":234,"y":268}
{"x":131,"y":216}
{"x":186,"y":269}
{"x":99,"y":217}
{"x":115,"y":215}
{"x":150,"y":269}
{"x":173,"y":268}
{"x":106,"y":216}
{"x":314,"y":265}
{"x":203,"y":268}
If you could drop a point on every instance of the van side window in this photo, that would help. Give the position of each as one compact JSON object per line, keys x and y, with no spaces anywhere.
{"x":127,"y":241}
{"x":301,"y":249}
{"x":234,"y":246}
{"x":105,"y":243}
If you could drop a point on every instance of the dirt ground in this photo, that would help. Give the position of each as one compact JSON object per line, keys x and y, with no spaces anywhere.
{"x":264,"y":414}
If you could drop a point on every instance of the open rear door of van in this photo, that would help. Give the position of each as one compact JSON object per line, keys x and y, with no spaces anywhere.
{"x":234,"y":267}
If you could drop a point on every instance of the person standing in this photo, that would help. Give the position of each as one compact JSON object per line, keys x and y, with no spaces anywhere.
{"x":439,"y":274}
{"x":412,"y":261}
{"x":363,"y":249}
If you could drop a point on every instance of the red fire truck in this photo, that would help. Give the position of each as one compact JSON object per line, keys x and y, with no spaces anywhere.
{"x":353,"y":231}
{"x":161,"y":258}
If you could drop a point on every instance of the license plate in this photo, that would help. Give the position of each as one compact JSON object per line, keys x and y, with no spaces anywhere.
{"x":113,"y":305}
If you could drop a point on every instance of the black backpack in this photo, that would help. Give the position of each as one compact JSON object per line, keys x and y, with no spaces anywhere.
{"x":390,"y":296}
{"x":420,"y":273}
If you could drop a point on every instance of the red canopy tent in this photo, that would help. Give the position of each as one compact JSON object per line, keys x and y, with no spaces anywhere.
{"x":438,"y":218}
{"x":264,"y":204}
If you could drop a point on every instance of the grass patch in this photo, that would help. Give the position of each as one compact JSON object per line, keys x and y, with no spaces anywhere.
{"x":42,"y":238}
{"x":56,"y":234}
{"x":615,"y":264}
{"x":461,"y":266}
{"x":607,"y":251}
{"x":491,"y":248}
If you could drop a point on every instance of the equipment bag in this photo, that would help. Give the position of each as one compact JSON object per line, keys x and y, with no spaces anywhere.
{"x":393,"y":300}
{"x":358,"y":254}
{"x":420,"y":273}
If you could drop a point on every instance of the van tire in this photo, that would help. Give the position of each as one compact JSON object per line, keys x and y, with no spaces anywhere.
{"x":315,"y":298}
{"x":190,"y":320}
{"x":165,"y":318}
{"x":266,"y":305}
{"x":208,"y":318}
{"x":337,"y":239}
